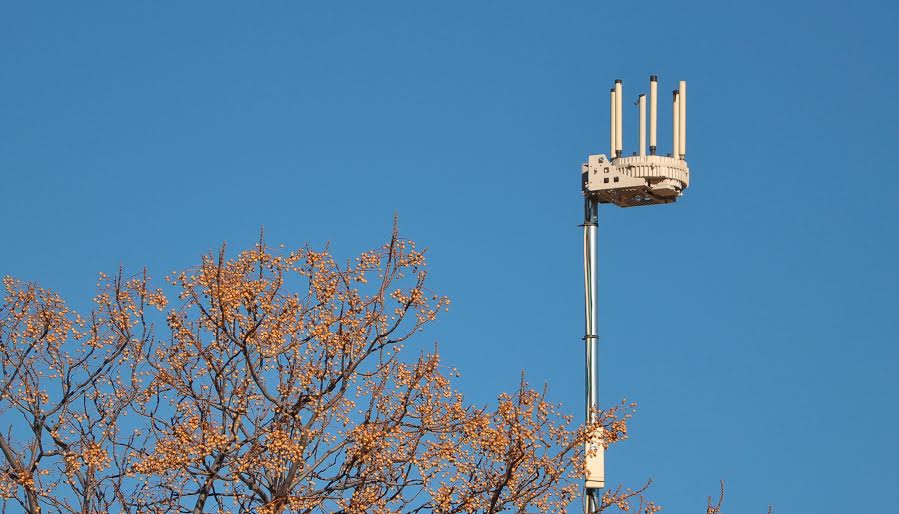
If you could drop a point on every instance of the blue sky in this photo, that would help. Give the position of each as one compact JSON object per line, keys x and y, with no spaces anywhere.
{"x":755,"y":321}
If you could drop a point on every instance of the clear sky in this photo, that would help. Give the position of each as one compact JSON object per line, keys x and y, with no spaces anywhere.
{"x":755,"y":321}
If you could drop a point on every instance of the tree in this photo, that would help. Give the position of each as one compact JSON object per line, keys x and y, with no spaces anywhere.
{"x":274,"y":381}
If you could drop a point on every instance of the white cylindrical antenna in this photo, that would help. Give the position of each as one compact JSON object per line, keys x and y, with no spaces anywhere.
{"x":653,"y":85}
{"x":675,"y":129}
{"x":618,"y":140}
{"x":642,"y":102}
{"x":682,"y":114}
{"x":612,"y":126}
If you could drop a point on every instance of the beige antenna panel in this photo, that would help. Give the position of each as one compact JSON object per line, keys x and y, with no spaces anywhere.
{"x":640,"y":179}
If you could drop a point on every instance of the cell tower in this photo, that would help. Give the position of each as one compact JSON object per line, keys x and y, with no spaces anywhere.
{"x":626,"y":181}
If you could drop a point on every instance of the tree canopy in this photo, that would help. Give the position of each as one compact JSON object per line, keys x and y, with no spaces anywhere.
{"x":271,"y":381}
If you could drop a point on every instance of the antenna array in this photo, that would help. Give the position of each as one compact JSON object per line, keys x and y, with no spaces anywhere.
{"x":626,"y":181}
{"x":640,"y":179}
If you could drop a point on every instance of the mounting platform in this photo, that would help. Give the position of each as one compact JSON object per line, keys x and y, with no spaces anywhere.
{"x":635,"y":180}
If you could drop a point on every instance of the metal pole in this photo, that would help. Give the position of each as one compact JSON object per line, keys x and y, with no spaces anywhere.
{"x":612,"y":127}
{"x":641,"y":101}
{"x":675,"y":130}
{"x":619,"y":145}
{"x":682,"y":119}
{"x":595,"y":465}
{"x":653,"y":104}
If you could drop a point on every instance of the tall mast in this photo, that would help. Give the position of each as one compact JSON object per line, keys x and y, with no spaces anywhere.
{"x":626,"y":181}
{"x":595,"y":452}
